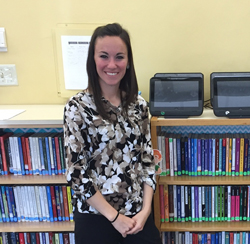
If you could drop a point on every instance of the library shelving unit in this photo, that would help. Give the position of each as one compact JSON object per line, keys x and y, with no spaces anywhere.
{"x":209,"y":123}
{"x":34,"y":117}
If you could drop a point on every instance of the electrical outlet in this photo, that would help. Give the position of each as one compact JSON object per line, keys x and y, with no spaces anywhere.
{"x":8,"y":75}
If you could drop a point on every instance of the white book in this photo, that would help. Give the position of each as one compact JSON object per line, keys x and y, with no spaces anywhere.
{"x":177,"y":237}
{"x":28,"y":203}
{"x":175,"y":156}
{"x":51,"y":155}
{"x":25,"y":237}
{"x":18,"y":161}
{"x":38,"y":203}
{"x":200,"y":203}
{"x":246,"y":238}
{"x":46,"y":202}
{"x":36,"y":166}
{"x":32,"y":154}
{"x":25,"y":203}
{"x":72,"y":238}
{"x":38,"y":158}
{"x":175,"y":202}
{"x":16,"y":197}
{"x":187,"y":237}
{"x":182,"y":203}
{"x":163,"y":152}
{"x":47,"y":237}
{"x":42,"y":203}
{"x":229,"y":203}
{"x":233,"y":156}
{"x":223,"y":237}
{"x":192,"y":204}
{"x":31,"y":203}
{"x":12,"y":169}
{"x":41,"y":237}
{"x":34,"y":203}
{"x":180,"y":238}
{"x":190,"y":238}
{"x":20,"y":201}
{"x":163,"y":239}
{"x":171,"y":156}
{"x":235,"y":238}
{"x":213,"y":203}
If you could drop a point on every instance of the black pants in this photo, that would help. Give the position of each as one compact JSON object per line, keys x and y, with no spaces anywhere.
{"x":96,"y":229}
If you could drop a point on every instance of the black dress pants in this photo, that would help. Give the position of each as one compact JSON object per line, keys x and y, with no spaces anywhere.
{"x":96,"y":229}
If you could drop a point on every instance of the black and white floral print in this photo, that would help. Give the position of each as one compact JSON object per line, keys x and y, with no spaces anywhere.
{"x":113,"y":158}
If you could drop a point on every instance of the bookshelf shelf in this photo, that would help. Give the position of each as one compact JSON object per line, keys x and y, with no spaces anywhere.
{"x":206,"y":119}
{"x":32,"y":179}
{"x":37,"y":227}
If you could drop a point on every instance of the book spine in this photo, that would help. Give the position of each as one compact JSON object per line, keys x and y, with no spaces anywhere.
{"x":61,"y":202}
{"x":49,"y":204}
{"x":171,"y":203}
{"x":29,"y":204}
{"x":54,"y":156}
{"x":40,"y":142}
{"x":11,"y":215}
{"x":183,"y":204}
{"x":20,"y":204}
{"x":175,"y":157}
{"x":21,"y":157}
{"x":229,"y":203}
{"x":213,"y":203}
{"x":220,"y":156}
{"x":161,"y":193}
{"x":193,"y":203}
{"x":5,"y":204}
{"x":175,"y":202}
{"x":245,"y":168}
{"x":57,"y":194}
{"x":237,"y":204}
{"x":59,"y":166}
{"x":25,"y":159}
{"x":206,"y":156}
{"x":2,"y":206}
{"x":13,"y":204}
{"x":203,"y":203}
{"x":48,"y":155}
{"x":186,"y":204}
{"x":216,"y":156}
{"x":224,"y":152}
{"x":34,"y":203}
{"x":70,"y":204}
{"x":171,"y":157}
{"x":233,"y":155}
{"x":227,"y":155}
{"x":66,"y":208}
{"x":38,"y":204}
{"x":189,"y":157}
{"x":166,"y":204}
{"x":241,"y":166}
{"x":42,"y":203}
{"x":199,"y":156}
{"x":210,"y":148}
{"x":178,"y":188}
{"x":29,"y":170}
{"x":45,"y":198}
{"x":237,"y":156}
{"x":51,"y":156}
{"x":61,"y":148}
{"x":53,"y":200}
{"x":183,"y":162}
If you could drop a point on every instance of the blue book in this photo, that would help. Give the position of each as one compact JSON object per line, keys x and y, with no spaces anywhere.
{"x":9,"y":203}
{"x":189,"y":157}
{"x":220,"y":237}
{"x":58,"y":205}
{"x":54,"y":153}
{"x":196,"y":199}
{"x":224,"y":145}
{"x":12,"y":236}
{"x":248,"y":160}
{"x":61,"y":237}
{"x":13,"y":205}
{"x":210,"y":148}
{"x":202,"y":155}
{"x":212,"y":238}
{"x":243,"y":237}
{"x":178,"y":203}
{"x":186,"y":155}
{"x":51,"y":217}
{"x":48,"y":155}
{"x":192,"y":155}
{"x":245,"y":164}
{"x":195,"y":156}
{"x":178,"y":155}
{"x":217,"y":238}
{"x":206,"y":156}
{"x":43,"y":238}
{"x":220,"y":156}
{"x":205,"y":237}
{"x":32,"y":238}
{"x":21,"y":154}
{"x":215,"y":140}
{"x":2,"y":206}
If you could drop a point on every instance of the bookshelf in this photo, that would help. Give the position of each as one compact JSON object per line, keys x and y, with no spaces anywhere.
{"x":34,"y":117}
{"x":205,"y":120}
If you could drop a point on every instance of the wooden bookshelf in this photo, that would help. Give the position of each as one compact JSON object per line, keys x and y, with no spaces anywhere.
{"x":206,"y":119}
{"x":34,"y":116}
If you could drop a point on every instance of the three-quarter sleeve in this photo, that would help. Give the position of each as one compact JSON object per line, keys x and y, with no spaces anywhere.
{"x":147,"y":154}
{"x":76,"y":156}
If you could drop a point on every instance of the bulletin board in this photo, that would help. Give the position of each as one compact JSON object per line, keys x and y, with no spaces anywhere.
{"x":71,"y":43}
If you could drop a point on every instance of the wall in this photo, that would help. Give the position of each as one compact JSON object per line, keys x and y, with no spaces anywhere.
{"x":167,"y":36}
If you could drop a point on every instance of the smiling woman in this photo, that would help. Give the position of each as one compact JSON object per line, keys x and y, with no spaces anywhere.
{"x":110,"y":163}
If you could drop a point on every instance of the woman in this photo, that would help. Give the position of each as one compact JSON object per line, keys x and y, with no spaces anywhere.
{"x":109,"y":158}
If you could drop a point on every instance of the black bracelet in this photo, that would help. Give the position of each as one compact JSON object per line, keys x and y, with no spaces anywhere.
{"x":115,"y":218}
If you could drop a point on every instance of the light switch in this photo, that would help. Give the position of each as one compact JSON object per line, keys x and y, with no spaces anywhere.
{"x":3,"y":43}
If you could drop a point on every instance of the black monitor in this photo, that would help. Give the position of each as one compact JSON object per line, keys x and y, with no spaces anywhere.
{"x":176,"y":94}
{"x":230,"y":94}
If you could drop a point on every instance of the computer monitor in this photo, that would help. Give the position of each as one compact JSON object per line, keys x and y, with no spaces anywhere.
{"x":176,"y":94}
{"x":230,"y":94}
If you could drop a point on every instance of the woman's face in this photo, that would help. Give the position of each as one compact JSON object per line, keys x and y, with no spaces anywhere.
{"x":111,"y":58}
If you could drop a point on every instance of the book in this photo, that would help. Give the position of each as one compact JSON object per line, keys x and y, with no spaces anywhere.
{"x":62,"y":152}
{"x":175,"y":155}
{"x":12,"y":203}
{"x":5,"y":204}
{"x":2,"y":206}
{"x":66,"y":206}
{"x":69,"y":203}
{"x":17,"y":204}
{"x":9,"y":204}
{"x":166,"y":205}
{"x":5,"y":156}
{"x":171,"y":203}
{"x":49,"y":204}
{"x":38,"y":203}
{"x":241,"y":164}
{"x":58,"y":203}
{"x":53,"y":201}
{"x":171,"y":156}
{"x":237,"y":204}
{"x":61,"y":203}
{"x":161,"y":193}
{"x":57,"y":149}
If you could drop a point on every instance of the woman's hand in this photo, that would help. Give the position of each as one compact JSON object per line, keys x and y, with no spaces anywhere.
{"x":124,"y":224}
{"x":140,"y":220}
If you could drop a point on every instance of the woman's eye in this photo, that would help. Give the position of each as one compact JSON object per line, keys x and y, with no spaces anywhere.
{"x":104,"y":56}
{"x":120,"y":57}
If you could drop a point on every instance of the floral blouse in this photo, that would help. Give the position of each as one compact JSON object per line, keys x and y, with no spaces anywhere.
{"x":113,"y":158}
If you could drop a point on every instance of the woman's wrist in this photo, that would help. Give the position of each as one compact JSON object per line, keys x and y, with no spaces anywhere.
{"x":112,"y":221}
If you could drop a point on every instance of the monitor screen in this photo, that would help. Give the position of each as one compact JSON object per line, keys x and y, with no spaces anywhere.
{"x":176,"y":94}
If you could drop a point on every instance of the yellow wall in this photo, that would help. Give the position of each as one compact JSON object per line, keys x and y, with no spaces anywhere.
{"x":167,"y":36}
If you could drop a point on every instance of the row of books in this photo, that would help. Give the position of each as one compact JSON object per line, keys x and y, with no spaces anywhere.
{"x":222,"y":237}
{"x":37,"y":238}
{"x":36,"y":203}
{"x":204,"y":154}
{"x":31,"y":153}
{"x":204,"y":203}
